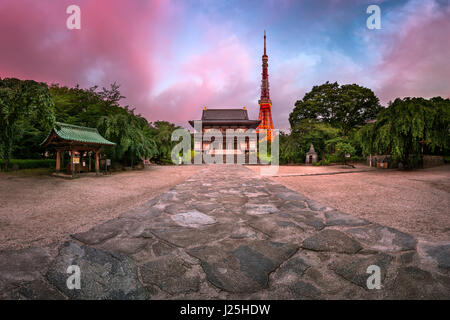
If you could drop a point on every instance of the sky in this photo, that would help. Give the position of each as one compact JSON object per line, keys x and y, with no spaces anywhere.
{"x":172,"y":58}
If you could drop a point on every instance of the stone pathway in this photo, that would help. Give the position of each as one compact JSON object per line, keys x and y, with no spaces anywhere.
{"x":227,"y":233}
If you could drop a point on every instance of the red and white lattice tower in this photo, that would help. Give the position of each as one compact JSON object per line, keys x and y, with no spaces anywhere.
{"x":265,"y":104}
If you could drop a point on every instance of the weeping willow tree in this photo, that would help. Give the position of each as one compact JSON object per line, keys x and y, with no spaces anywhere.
{"x":19,"y":101}
{"x":406,"y":127}
{"x":162,"y":134}
{"x":131,"y":134}
{"x":290,"y":151}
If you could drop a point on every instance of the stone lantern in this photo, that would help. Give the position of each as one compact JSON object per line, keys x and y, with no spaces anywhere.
{"x":311,"y":155}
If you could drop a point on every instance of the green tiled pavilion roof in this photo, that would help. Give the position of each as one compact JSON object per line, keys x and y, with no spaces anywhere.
{"x":80,"y":134}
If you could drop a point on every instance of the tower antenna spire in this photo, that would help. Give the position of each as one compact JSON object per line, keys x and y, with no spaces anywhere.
{"x":264,"y":42}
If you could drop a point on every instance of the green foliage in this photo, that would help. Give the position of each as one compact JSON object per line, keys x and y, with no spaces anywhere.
{"x":407,"y":126}
{"x":28,"y":110}
{"x":344,"y":107}
{"x":20,"y":103}
{"x":326,"y":112}
{"x":264,"y":158}
{"x":91,"y":107}
{"x":30,"y":163}
{"x":162,"y":134}
{"x":131,"y":134}
{"x":323,"y":162}
{"x":343,"y":149}
{"x":309,"y":131}
{"x":189,"y":157}
{"x":290,"y":151}
{"x":333,"y":158}
{"x":85,"y":107}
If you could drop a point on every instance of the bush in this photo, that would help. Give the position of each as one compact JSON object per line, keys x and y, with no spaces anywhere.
{"x":190,"y":157}
{"x":164,"y":161}
{"x":322,"y":163}
{"x":30,"y":163}
{"x":357,"y":159}
{"x":333,"y":158}
{"x":264,"y":158}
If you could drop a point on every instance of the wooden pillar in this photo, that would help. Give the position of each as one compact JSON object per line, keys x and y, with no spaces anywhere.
{"x":97,"y":163}
{"x":72,"y":167}
{"x":58,"y":161}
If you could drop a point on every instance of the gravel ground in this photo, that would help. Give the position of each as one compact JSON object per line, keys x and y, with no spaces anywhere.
{"x":38,"y":210}
{"x":296,"y":170}
{"x":416,"y":202}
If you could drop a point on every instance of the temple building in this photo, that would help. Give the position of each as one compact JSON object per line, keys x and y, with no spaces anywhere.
{"x":220,"y":120}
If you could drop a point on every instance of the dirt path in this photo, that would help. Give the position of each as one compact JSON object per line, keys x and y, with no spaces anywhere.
{"x":42,"y":209}
{"x":416,"y":201}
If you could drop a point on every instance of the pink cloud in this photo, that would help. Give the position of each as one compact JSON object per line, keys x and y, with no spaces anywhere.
{"x":220,"y":76}
{"x":137,"y":44}
{"x":117,"y":42}
{"x":416,"y":54}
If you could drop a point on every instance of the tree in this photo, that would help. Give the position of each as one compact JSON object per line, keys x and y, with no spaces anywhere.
{"x":290,"y":152}
{"x":344,"y":107}
{"x":85,"y":107}
{"x":19,"y":100}
{"x":162,"y":133}
{"x":309,"y":131}
{"x":131,"y":134}
{"x":406,"y":127}
{"x":343,"y":148}
{"x":28,"y":110}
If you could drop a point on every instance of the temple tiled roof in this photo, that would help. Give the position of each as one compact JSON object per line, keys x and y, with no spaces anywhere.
{"x":225,"y":114}
{"x":72,"y":132}
{"x":226,"y":117}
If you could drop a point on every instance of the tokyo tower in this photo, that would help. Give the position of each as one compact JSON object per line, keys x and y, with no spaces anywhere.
{"x":265,"y":104}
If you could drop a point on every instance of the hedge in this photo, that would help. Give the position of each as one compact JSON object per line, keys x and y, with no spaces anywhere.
{"x":29,"y":163}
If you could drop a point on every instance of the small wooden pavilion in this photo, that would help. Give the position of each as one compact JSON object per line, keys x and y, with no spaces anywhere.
{"x":78,"y":141}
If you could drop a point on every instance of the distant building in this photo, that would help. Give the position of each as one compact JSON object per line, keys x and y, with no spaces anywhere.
{"x":221,"y":120}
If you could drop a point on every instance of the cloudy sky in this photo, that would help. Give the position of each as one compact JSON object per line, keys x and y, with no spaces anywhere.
{"x":171,"y":58}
